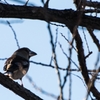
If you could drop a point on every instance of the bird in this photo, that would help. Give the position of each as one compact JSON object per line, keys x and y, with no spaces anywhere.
{"x":17,"y":65}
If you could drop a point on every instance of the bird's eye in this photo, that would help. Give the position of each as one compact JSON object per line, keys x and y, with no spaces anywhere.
{"x":25,"y":63}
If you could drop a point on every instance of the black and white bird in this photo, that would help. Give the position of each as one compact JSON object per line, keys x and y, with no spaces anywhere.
{"x":18,"y":64}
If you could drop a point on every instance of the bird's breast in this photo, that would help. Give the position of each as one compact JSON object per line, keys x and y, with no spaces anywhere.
{"x":18,"y":74}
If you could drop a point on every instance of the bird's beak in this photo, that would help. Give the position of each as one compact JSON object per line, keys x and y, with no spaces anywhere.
{"x":31,"y":53}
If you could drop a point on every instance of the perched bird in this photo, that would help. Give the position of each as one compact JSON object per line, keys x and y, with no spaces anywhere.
{"x":18,"y":64}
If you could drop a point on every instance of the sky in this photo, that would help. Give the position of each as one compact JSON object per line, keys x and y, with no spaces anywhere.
{"x":34,"y":35}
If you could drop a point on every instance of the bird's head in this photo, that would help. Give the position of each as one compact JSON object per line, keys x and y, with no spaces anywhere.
{"x":25,"y":53}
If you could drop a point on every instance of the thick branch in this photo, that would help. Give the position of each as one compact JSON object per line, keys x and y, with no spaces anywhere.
{"x":95,"y":92}
{"x":16,"y":88}
{"x":82,"y":63}
{"x":61,"y":16}
{"x":81,"y":56}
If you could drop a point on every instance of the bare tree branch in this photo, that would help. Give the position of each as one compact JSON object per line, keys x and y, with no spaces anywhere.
{"x":67,"y":17}
{"x":94,"y":38}
{"x":17,"y":89}
{"x":72,"y":19}
{"x":80,"y":3}
{"x":82,"y":63}
{"x":55,"y":62}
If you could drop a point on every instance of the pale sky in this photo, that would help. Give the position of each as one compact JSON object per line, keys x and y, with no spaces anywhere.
{"x":34,"y":35}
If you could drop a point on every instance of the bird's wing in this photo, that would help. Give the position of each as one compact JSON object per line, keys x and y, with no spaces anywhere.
{"x":13,"y":63}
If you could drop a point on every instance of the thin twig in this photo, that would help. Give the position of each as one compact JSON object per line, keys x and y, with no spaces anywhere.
{"x":86,"y":40}
{"x":14,"y":34}
{"x":55,"y":62}
{"x":67,"y":56}
{"x":57,"y":24}
{"x":69,"y":42}
{"x":40,"y":89}
{"x":91,"y":83}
